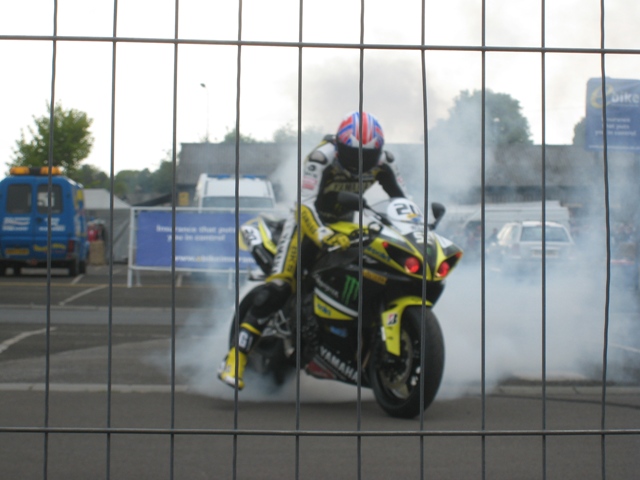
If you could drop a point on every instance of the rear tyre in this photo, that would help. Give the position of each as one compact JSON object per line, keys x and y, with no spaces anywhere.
{"x":396,"y":380}
{"x":74,"y":266}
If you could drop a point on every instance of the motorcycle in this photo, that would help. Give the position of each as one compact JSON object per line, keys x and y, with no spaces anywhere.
{"x":379,"y":303}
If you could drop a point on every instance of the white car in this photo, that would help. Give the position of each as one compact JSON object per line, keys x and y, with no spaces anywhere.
{"x":519,"y":245}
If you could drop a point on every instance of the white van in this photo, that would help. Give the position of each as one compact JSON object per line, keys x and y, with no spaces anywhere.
{"x":219,"y":191}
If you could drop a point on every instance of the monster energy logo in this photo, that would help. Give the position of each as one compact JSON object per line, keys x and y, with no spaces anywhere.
{"x":350,"y":289}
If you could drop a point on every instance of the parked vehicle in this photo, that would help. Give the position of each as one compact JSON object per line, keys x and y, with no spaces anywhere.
{"x":463,"y":223}
{"x":402,"y":348}
{"x":219,"y":191}
{"x":36,"y":222}
{"x":520,"y":245}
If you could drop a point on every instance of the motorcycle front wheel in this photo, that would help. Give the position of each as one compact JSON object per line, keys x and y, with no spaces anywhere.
{"x":396,"y":380}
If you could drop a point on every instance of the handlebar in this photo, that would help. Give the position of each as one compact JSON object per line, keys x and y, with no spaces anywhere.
{"x":366,"y":239}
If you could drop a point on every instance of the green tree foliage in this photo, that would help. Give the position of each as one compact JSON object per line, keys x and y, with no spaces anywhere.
{"x":72,"y":141}
{"x":91,"y":177}
{"x":128,"y":181}
{"x":285,"y":134}
{"x":580,"y":133}
{"x":310,"y":136}
{"x":162,"y":178}
{"x":230,"y":137}
{"x":158,"y":181}
{"x":504,"y":122}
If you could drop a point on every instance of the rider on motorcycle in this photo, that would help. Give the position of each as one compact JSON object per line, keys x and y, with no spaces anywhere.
{"x":332,"y":167}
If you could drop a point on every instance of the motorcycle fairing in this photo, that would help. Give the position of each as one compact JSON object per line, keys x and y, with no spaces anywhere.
{"x":339,"y":289}
{"x":325,"y":307}
{"x":334,"y":359}
{"x":255,"y":232}
{"x":391,"y":318}
{"x":389,"y":247}
{"x":445,"y":251}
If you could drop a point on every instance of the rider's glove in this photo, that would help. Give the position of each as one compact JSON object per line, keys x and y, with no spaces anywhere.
{"x":337,"y":240}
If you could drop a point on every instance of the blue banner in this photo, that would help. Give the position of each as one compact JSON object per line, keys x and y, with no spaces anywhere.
{"x":623,"y":114}
{"x":204,"y":241}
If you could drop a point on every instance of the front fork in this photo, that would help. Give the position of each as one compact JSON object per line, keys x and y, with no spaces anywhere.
{"x":390,"y":321}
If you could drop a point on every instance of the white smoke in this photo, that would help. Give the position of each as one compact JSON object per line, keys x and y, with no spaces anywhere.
{"x":564,"y":324}
{"x":202,"y":344}
{"x":507,"y":342}
{"x":522,"y":328}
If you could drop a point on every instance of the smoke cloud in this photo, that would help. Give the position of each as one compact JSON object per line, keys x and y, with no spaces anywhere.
{"x":522,"y":324}
{"x":517,"y":324}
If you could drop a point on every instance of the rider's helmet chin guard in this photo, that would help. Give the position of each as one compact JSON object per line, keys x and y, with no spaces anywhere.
{"x":348,"y":142}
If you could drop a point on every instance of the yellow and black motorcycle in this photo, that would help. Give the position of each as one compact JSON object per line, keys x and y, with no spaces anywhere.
{"x":375,"y":297}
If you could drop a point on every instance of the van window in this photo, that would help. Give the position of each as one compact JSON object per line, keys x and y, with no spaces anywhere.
{"x":19,"y":198}
{"x":43,"y":199}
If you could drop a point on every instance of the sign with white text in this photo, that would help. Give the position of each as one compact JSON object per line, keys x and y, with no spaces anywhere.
{"x":203,"y":241}
{"x":622,"y":101}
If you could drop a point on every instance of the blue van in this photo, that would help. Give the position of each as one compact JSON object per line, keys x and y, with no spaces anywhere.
{"x":24,"y":226}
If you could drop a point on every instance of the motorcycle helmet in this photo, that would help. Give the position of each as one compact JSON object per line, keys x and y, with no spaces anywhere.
{"x":348,"y":142}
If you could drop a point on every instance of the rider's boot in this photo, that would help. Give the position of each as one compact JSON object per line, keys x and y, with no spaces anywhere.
{"x":229,"y":372}
{"x":267,"y":300}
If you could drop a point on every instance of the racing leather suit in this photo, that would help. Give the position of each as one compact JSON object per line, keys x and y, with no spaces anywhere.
{"x":323,"y":177}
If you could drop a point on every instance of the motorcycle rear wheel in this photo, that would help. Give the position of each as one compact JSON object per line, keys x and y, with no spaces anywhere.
{"x":396,"y":380}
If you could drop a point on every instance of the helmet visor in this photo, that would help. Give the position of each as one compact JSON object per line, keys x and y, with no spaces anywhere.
{"x":349,"y":158}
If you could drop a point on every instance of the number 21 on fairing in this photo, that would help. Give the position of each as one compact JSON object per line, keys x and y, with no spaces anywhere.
{"x":406,"y":208}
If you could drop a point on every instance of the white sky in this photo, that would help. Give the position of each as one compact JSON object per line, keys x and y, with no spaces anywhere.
{"x":393,"y":90}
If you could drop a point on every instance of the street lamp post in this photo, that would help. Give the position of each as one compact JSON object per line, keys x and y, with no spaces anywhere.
{"x":203,"y":85}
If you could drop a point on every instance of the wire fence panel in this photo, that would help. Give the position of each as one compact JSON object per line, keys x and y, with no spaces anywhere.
{"x":520,"y":120}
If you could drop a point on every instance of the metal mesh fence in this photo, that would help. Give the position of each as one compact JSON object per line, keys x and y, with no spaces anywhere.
{"x":300,"y":444}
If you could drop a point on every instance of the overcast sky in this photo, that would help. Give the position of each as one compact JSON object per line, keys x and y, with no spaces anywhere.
{"x":269,"y":91}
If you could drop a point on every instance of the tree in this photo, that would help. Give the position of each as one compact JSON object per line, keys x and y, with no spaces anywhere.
{"x":580,"y":133}
{"x":161,"y":179}
{"x":230,"y":137}
{"x":72,"y":141}
{"x":504,"y":122}
{"x":310,"y":136}
{"x":91,"y":177}
{"x":285,"y":134}
{"x":127,"y":182}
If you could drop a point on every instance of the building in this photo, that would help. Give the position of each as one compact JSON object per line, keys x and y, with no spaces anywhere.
{"x":220,"y":159}
{"x":572,"y":175}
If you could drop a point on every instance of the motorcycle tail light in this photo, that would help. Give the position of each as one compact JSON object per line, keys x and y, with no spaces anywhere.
{"x":412,"y":265}
{"x":443,"y":269}
{"x":446,"y":266}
